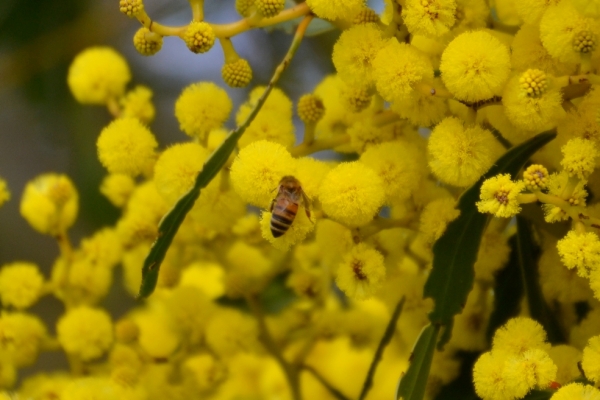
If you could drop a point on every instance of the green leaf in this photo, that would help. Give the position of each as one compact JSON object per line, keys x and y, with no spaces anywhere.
{"x":539,"y":310}
{"x":385,"y":340}
{"x":455,"y":253}
{"x":412,"y":384}
{"x":508,"y":291}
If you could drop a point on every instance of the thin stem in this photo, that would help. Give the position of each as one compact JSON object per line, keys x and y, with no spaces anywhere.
{"x":197,"y":10}
{"x":381,"y":224}
{"x":309,"y":133}
{"x":576,"y":213}
{"x":384,"y":118}
{"x":235,"y":28}
{"x":564,"y":81}
{"x":229,"y":52}
{"x":319,"y":145}
{"x":113,"y":107}
{"x":335,"y":392}
{"x":162,"y":30}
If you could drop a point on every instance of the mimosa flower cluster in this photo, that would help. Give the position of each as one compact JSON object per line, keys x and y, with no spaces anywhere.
{"x":267,"y":292}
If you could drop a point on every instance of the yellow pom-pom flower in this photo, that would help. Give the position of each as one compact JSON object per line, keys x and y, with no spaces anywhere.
{"x":531,"y":11}
{"x":272,"y":123}
{"x":581,"y":251}
{"x":22,"y":338}
{"x":530,"y":105}
{"x":98,"y":74}
{"x":199,"y":37}
{"x":556,"y":186}
{"x":591,"y":359}
{"x":237,"y":74}
{"x":202,"y":107}
{"x":397,"y":68}
{"x":20,"y":284}
{"x":436,"y":216}
{"x":579,"y":157}
{"x":85,"y":332}
{"x":50,"y":204}
{"x":117,"y":188}
{"x":561,"y":27}
{"x":269,"y":8}
{"x":147,"y":43}
{"x":399,"y":164}
{"x":536,"y":177}
{"x":177,"y":168}
{"x":137,"y":103}
{"x":91,"y":388}
{"x":519,"y":335}
{"x":589,"y":8}
{"x":532,"y":369}
{"x":336,"y":9}
{"x":576,"y":391}
{"x":243,"y":7}
{"x":126,"y":147}
{"x":361,"y":273}
{"x":131,"y":8}
{"x":357,"y":98}
{"x":366,"y":16}
{"x":310,"y":108}
{"x":499,"y":196}
{"x":4,"y":193}
{"x":421,"y":108}
{"x":257,"y":170}
{"x":230,"y":332}
{"x":475,"y":66}
{"x":352,"y":194}
{"x":354,"y":52}
{"x":429,"y":17}
{"x":459,"y":155}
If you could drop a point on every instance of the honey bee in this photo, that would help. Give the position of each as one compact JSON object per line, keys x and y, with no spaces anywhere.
{"x":285,"y":205}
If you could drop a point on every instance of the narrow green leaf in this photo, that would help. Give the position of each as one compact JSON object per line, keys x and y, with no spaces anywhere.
{"x":455,"y":253}
{"x":385,"y":340}
{"x":539,"y":310}
{"x":508,"y":291}
{"x":412,"y":384}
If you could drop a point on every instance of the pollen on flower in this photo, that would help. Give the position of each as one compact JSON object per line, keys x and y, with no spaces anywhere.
{"x":519,"y":335}
{"x":352,"y":193}
{"x":499,"y":196}
{"x":361,"y":272}
{"x":429,"y":17}
{"x":237,"y":74}
{"x":97,"y":75}
{"x":147,"y":43}
{"x":202,"y":107}
{"x":257,"y":170}
{"x":579,"y":157}
{"x":535,"y":177}
{"x":126,"y":147}
{"x":86,"y":332}
{"x":199,"y":37}
{"x":475,"y":66}
{"x":581,"y":251}
{"x":50,"y":203}
{"x":20,"y":284}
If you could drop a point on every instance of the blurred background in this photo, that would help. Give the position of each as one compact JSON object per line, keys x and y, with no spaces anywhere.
{"x":43,"y":129}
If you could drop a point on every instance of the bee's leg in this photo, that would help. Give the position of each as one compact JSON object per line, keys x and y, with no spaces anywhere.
{"x":272,"y":205}
{"x":306,"y":202}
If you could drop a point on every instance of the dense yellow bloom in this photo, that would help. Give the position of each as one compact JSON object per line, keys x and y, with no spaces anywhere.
{"x":50,"y":204}
{"x":97,"y":75}
{"x":581,"y":251}
{"x":436,"y":215}
{"x":20,"y":284}
{"x":296,"y":233}
{"x":566,"y":358}
{"x":535,"y":177}
{"x":90,"y":388}
{"x":357,"y":98}
{"x":207,"y":277}
{"x":422,"y":109}
{"x":354,"y":52}
{"x":352,"y":194}
{"x":579,"y":157}
{"x":310,"y":108}
{"x":117,"y":188}
{"x":191,"y":310}
{"x":137,"y":103}
{"x":22,"y":338}
{"x":458,"y":154}
{"x":126,"y":147}
{"x":429,"y":17}
{"x":177,"y":168}
{"x":589,"y":8}
{"x":131,"y":8}
{"x":499,"y":196}
{"x":519,"y":335}
{"x":361,"y":272}
{"x":591,"y":359}
{"x":230,"y":332}
{"x":531,"y":11}
{"x":199,"y":37}
{"x":399,"y":164}
{"x":336,"y":9}
{"x":269,"y":8}
{"x":397,"y":68}
{"x":157,"y":334}
{"x":557,"y":183}
{"x":237,"y":73}
{"x":576,"y":391}
{"x":532,"y":369}
{"x":489,"y":378}
{"x":202,"y":107}
{"x":560,"y":25}
{"x":257,"y":170}
{"x":205,"y":371}
{"x":85,"y":332}
{"x":475,"y":66}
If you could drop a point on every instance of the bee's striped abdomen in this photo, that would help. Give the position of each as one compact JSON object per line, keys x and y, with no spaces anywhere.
{"x":282,"y":217}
